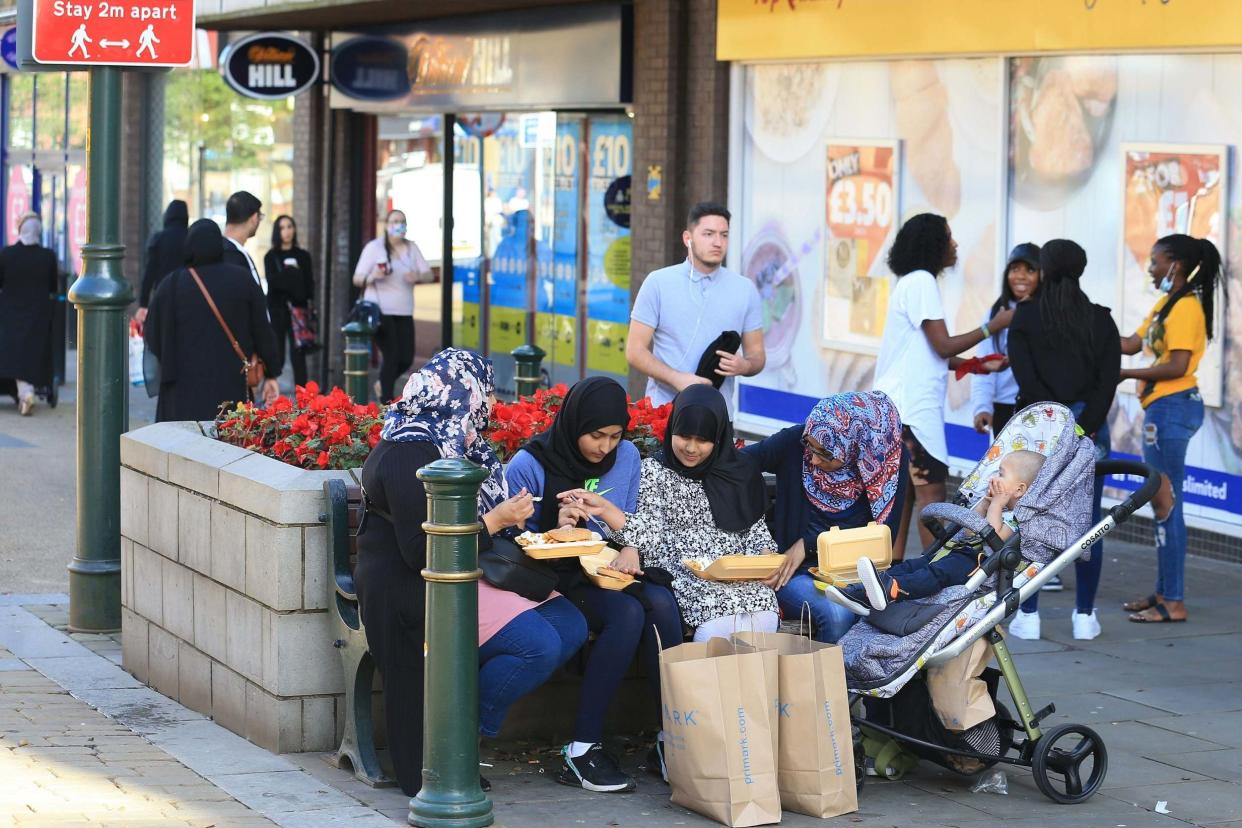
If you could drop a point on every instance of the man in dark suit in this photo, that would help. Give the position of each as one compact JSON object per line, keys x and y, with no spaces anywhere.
{"x":242,"y":214}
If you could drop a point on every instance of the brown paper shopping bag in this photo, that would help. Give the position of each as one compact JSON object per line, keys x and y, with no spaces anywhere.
{"x":959,"y":696}
{"x":719,"y":742}
{"x":815,"y":757}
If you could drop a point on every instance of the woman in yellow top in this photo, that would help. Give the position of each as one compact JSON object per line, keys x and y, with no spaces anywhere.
{"x":1176,"y":333}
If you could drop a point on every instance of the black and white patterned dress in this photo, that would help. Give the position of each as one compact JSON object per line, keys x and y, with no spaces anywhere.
{"x":674,"y":522}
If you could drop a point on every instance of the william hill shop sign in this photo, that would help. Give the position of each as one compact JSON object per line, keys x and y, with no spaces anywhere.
{"x":269,"y":66}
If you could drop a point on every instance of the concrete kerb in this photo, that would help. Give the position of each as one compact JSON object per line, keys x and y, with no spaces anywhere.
{"x":268,"y":784}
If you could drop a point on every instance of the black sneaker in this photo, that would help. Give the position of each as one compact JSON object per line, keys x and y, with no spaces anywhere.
{"x":655,"y":761}
{"x":1054,"y":585}
{"x":485,"y":784}
{"x":595,"y":771}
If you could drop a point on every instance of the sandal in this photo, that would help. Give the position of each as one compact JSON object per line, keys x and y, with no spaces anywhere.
{"x":1140,"y":604}
{"x":1161,"y":610}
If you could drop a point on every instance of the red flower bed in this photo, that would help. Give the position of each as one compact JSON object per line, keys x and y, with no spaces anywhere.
{"x":512,"y":424}
{"x":313,"y":430}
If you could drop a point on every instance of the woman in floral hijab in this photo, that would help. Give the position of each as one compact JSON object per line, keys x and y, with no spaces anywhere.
{"x":842,"y":468}
{"x":442,"y":413}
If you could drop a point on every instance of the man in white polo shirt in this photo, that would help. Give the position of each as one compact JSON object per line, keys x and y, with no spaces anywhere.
{"x":681,"y":310}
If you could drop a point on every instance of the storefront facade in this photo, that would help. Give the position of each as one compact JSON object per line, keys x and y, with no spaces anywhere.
{"x":540,"y":180}
{"x":1108,"y":123}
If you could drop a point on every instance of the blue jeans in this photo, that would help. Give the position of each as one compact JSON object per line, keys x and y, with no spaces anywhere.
{"x":523,"y":655}
{"x":1168,"y":425}
{"x":829,"y":621}
{"x":622,"y":627}
{"x":1086,"y":573}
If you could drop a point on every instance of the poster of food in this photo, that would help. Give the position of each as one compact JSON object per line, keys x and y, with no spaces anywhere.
{"x":1171,"y":189}
{"x":861,"y":206}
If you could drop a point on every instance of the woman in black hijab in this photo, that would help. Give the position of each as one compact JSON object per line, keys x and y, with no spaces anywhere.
{"x":199,"y":369}
{"x":584,"y":456}
{"x":700,"y":499}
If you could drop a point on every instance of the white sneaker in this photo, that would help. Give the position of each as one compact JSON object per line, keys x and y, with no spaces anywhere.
{"x":1086,"y":626}
{"x":1025,"y":625}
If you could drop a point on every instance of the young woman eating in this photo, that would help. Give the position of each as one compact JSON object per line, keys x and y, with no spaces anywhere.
{"x":700,"y":498}
{"x":916,"y":353}
{"x":442,"y":413}
{"x":843,"y":468}
{"x":1176,"y":333}
{"x":584,"y":450}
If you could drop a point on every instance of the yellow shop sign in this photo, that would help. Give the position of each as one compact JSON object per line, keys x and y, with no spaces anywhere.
{"x":786,"y":29}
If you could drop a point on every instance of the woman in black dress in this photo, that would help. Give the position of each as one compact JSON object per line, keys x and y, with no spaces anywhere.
{"x":199,"y":370}
{"x":289,"y":285}
{"x":27,"y":285}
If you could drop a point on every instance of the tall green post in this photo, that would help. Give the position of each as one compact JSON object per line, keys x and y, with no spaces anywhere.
{"x":527,"y":374}
{"x":101,"y":295}
{"x":357,"y":360}
{"x":450,"y":796}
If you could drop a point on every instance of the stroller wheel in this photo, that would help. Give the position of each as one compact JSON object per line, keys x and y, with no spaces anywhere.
{"x":1069,"y":764}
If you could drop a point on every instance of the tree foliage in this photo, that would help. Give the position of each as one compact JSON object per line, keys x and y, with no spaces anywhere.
{"x":200,"y":107}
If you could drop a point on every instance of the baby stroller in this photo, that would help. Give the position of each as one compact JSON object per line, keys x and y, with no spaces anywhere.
{"x":885,"y":669}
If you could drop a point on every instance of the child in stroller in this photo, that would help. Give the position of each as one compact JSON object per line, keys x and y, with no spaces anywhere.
{"x":926,"y":575}
{"x":885,"y":656}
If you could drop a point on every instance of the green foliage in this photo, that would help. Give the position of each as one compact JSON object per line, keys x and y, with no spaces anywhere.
{"x":199,"y":106}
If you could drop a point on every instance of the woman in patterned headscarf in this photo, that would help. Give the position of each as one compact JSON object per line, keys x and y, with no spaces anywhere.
{"x":842,"y":468}
{"x":443,"y":413}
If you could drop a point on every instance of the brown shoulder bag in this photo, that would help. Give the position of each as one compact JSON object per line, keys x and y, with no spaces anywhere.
{"x":252,"y":367}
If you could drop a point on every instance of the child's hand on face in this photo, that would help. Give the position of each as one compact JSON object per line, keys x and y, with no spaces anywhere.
{"x":999,"y":491}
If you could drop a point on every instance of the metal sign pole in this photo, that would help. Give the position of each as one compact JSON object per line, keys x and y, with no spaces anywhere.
{"x":101,"y":295}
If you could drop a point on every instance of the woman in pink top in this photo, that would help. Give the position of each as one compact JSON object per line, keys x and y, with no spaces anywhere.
{"x":442,"y":413}
{"x":387,"y":270}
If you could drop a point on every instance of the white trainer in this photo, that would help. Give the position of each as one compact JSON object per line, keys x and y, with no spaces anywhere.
{"x":1025,"y":625}
{"x":1086,"y":625}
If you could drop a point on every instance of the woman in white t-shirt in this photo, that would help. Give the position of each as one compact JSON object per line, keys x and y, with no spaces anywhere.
{"x":387,"y":270}
{"x":916,"y":354}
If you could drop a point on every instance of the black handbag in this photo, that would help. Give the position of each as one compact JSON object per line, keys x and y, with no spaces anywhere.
{"x":505,"y":566}
{"x":366,"y":312}
{"x":729,"y":342}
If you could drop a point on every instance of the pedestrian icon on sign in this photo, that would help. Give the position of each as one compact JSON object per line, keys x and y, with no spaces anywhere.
{"x":78,"y":41}
{"x":145,"y":41}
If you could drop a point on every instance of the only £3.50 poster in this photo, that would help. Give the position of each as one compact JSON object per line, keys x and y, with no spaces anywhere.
{"x":1170,"y":189}
{"x":861,"y":207}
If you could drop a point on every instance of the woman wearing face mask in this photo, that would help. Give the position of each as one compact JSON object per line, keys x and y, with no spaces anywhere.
{"x":992,"y":396}
{"x":290,"y":284}
{"x":27,"y":284}
{"x":843,"y":468}
{"x":699,"y":498}
{"x":1064,"y":349}
{"x":442,"y":413}
{"x":1176,"y":333}
{"x":387,"y":270}
{"x":584,"y":450}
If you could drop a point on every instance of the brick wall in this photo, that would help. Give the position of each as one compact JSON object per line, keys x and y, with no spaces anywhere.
{"x":681,"y":118}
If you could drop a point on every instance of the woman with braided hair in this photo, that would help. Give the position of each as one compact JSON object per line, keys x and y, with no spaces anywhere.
{"x":1176,"y":333}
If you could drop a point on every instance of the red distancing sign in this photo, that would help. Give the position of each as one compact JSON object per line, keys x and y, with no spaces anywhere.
{"x":123,"y":33}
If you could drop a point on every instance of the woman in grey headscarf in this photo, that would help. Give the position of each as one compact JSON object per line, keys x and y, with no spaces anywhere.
{"x":199,"y":370}
{"x":27,"y":287}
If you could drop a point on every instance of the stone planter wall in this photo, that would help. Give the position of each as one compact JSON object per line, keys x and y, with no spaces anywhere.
{"x":224,"y":567}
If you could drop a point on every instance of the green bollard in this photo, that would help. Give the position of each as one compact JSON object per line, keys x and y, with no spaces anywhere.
{"x":101,"y":296}
{"x":450,"y":795}
{"x":526,"y":373}
{"x":357,"y":361}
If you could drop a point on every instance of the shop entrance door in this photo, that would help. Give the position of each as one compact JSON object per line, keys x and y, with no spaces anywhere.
{"x":552,"y":266}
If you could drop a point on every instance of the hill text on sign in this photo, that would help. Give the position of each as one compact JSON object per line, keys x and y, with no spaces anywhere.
{"x":105,"y":33}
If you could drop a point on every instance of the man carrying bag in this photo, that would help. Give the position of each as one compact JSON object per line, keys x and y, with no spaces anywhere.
{"x":815,"y":756}
{"x":719,"y":724}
